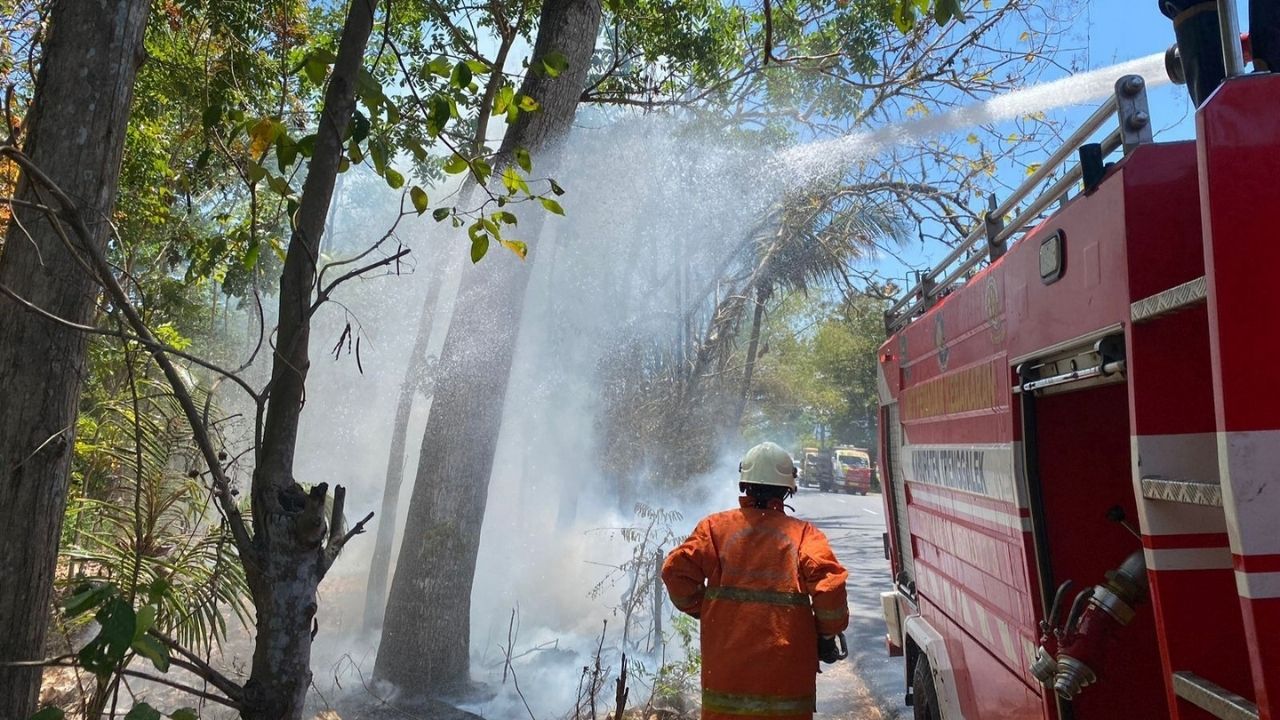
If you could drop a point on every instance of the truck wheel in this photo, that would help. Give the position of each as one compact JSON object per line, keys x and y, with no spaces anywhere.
{"x":924,"y":696}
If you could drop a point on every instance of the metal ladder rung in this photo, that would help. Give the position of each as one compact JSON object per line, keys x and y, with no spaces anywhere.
{"x":1192,"y":492}
{"x":1213,"y":699}
{"x":1177,"y":297}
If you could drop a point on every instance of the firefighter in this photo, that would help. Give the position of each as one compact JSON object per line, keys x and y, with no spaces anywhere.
{"x":1195,"y":23}
{"x":769,"y":594}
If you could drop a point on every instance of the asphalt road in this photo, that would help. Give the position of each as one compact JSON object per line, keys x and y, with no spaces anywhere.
{"x":854,"y":525}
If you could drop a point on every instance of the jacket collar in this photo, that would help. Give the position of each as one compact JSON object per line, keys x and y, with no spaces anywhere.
{"x":747,"y":502}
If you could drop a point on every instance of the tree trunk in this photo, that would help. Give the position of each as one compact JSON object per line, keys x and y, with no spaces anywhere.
{"x":376,"y":592}
{"x":753,"y":347}
{"x":290,"y":558}
{"x":76,"y":136}
{"x":426,"y":636}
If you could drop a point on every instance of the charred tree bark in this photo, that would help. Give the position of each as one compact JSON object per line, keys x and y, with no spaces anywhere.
{"x":290,"y":557}
{"x":76,"y":136}
{"x":426,"y":636}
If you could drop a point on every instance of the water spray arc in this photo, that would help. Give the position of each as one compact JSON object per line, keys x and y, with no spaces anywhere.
{"x":833,"y":156}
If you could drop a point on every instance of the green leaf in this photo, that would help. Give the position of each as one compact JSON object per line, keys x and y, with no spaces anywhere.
{"x":255,"y":172}
{"x":554,"y":63}
{"x":477,"y":67}
{"x":479,"y":246}
{"x":87,"y":597}
{"x":394,"y":179}
{"x":439,"y":114}
{"x":552,"y":206}
{"x":279,"y":185}
{"x":185,"y":714}
{"x":354,"y":152}
{"x":116,"y":622}
{"x":359,"y":126}
{"x":523,"y":160}
{"x":143,"y":711}
{"x":378,"y":153}
{"x":491,"y":227}
{"x":512,"y":180}
{"x":251,"y":257}
{"x":286,"y":151}
{"x":456,"y":164}
{"x":439,"y":65}
{"x":482,"y":170}
{"x":440,"y":214}
{"x":461,"y":77}
{"x":315,"y":69}
{"x":506,"y":95}
{"x":528,"y":104}
{"x":504,"y":216}
{"x":307,"y":145}
{"x":49,"y":713}
{"x":153,"y":650}
{"x":419,"y":198}
{"x":146,"y":618}
{"x":555,"y":188}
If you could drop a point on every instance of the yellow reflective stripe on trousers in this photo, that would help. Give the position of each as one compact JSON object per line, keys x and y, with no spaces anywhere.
{"x":831,"y":614}
{"x":768,"y":597}
{"x":757,"y":705}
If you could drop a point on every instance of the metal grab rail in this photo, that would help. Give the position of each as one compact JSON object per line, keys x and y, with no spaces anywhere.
{"x":1128,"y":102}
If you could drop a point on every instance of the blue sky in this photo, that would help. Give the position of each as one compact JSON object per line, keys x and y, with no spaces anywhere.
{"x":1109,"y":32}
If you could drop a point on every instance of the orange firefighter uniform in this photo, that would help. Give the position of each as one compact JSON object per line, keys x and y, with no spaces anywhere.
{"x":764,"y":586}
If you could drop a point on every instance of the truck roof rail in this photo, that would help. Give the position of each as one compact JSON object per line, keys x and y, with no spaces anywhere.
{"x":1128,"y":104}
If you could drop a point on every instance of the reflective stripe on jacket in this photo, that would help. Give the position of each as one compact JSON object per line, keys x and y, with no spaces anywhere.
{"x":764,"y":586}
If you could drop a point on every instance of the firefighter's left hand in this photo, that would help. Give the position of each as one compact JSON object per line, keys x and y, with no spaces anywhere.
{"x":831,"y":648}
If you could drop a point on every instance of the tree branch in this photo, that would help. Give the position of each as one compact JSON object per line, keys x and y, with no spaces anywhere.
{"x":199,"y":667}
{"x":69,"y":214}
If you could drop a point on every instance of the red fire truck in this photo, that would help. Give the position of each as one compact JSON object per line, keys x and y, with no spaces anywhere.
{"x":1081,"y":433}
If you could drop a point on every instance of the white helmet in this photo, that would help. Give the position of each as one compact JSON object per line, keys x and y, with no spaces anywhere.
{"x":768,"y":464}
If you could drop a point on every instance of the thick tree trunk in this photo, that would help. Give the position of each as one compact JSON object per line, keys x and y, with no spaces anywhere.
{"x":76,"y":136}
{"x":376,"y":593}
{"x":290,"y":558}
{"x":426,"y":635}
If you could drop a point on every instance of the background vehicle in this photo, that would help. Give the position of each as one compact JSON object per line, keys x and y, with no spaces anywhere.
{"x":818,"y":469}
{"x":806,"y":478}
{"x":853,"y":469}
{"x":1097,"y":405}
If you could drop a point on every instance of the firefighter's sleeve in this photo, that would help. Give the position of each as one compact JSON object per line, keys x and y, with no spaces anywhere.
{"x":824,"y":577}
{"x":686,"y":570}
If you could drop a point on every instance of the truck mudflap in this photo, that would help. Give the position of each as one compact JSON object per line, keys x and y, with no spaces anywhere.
{"x":892,"y":622}
{"x":934,"y":647}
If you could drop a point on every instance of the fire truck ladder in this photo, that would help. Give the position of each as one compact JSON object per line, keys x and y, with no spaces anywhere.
{"x":1128,"y":104}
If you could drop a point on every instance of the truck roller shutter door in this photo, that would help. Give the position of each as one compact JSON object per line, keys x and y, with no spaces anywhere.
{"x":894,"y":430}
